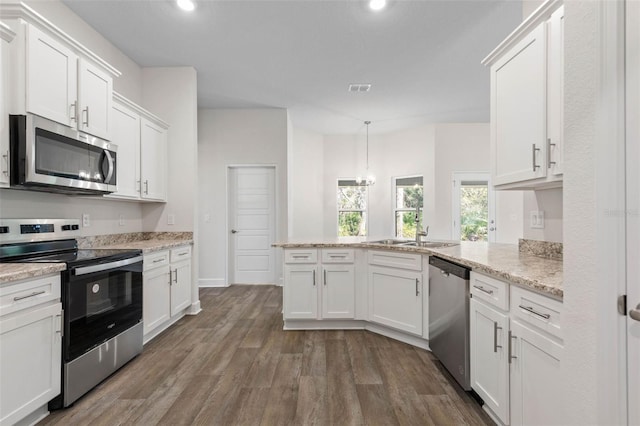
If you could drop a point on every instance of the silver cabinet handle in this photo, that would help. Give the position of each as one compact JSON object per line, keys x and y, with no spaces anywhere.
{"x":533,"y":311}
{"x":61,"y":331}
{"x":294,"y":256}
{"x":6,"y":159}
{"x":86,"y":123}
{"x":175,"y":275}
{"x":235,"y":231}
{"x":533,"y":156}
{"x":635,"y":313}
{"x":158,"y":260}
{"x":479,"y":287}
{"x":170,"y":277}
{"x":495,"y":337}
{"x":549,"y":145}
{"x":35,"y":293}
{"x":314,"y":277}
{"x":335,"y":256}
{"x":511,"y":356}
{"x":325,"y":277}
{"x":183,"y":254}
{"x":417,"y":287}
{"x":146,"y":187}
{"x":74,"y":116}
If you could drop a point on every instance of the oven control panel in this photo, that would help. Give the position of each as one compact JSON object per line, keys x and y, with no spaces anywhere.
{"x":27,"y":230}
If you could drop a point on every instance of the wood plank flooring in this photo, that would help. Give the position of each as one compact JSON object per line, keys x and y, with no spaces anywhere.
{"x":234,"y":365}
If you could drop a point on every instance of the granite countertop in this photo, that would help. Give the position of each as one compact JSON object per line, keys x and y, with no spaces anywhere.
{"x":20,"y":271}
{"x":503,"y":261}
{"x":149,"y":246}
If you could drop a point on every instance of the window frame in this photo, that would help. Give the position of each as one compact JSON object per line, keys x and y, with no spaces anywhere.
{"x":365,"y":211}
{"x":395,"y":210}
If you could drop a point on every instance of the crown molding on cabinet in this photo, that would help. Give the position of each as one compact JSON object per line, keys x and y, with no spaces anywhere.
{"x":27,"y":14}
{"x":540,"y":15}
{"x":117,"y":97}
{"x":6,"y":33}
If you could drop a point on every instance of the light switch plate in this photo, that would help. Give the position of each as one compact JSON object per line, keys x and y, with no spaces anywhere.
{"x":86,"y":220}
{"x":121,"y":220}
{"x":171,"y":219}
{"x":537,"y":219}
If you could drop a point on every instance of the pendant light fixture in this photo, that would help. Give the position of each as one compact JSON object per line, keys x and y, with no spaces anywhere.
{"x":369,"y":179}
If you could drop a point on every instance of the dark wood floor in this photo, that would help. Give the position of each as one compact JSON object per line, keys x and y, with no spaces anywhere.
{"x":233,"y":364}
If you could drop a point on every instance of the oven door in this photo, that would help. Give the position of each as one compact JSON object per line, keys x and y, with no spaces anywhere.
{"x":48,"y":154}
{"x":101,"y":301}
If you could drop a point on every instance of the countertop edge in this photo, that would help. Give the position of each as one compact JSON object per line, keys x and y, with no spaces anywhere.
{"x":31,"y":270}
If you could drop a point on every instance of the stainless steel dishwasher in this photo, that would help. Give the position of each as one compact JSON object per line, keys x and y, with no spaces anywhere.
{"x":449,"y":317}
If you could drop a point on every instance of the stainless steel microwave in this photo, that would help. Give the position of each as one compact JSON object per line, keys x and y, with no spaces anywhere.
{"x":48,"y":156}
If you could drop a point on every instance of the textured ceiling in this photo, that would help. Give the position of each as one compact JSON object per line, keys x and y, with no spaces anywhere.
{"x":422,"y":57}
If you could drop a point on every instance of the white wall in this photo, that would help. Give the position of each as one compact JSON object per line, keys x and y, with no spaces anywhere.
{"x":234,"y":137}
{"x":548,"y":201}
{"x":306,"y":184}
{"x":129,"y":84}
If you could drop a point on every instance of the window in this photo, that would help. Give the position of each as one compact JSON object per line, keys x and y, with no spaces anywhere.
{"x":472,"y":207}
{"x":409,"y":196}
{"x":352,"y":209}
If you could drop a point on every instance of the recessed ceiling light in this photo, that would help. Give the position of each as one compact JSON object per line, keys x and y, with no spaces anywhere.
{"x":187,"y":5}
{"x":377,"y":4}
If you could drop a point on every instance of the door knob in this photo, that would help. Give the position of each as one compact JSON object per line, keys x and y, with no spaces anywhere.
{"x":233,"y":231}
{"x":635,"y":313}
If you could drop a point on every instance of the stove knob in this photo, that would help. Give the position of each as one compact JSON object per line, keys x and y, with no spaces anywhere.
{"x":66,"y":227}
{"x":4,"y":229}
{"x":75,"y":227}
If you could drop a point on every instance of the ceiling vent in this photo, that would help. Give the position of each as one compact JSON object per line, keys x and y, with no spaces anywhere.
{"x":359,"y":87}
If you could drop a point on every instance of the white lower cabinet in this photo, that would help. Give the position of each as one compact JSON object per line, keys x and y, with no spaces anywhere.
{"x":315,"y":290}
{"x":516,"y":349}
{"x":488,"y":351}
{"x":166,"y":289}
{"x":30,"y":346}
{"x":395,"y":298}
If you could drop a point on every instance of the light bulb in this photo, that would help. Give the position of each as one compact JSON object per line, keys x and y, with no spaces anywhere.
{"x":377,"y":4}
{"x":187,"y":5}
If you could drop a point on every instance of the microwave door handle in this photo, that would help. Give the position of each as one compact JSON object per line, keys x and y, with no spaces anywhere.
{"x":109,"y":158}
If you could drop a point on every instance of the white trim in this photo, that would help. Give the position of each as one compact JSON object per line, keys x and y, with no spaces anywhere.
{"x":456,"y":179}
{"x":541,"y":14}
{"x":212,"y":282}
{"x":117,"y":97}
{"x":6,"y":33}
{"x":194,"y":309}
{"x":611,"y":233}
{"x":162,"y":327}
{"x":22,"y":11}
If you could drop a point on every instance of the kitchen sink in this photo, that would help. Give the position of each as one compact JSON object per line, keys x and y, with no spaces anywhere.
{"x":410,"y":243}
{"x":391,"y":242}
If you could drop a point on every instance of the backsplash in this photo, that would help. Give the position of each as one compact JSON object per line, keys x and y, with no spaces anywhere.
{"x":547,"y":249}
{"x":112,"y":239}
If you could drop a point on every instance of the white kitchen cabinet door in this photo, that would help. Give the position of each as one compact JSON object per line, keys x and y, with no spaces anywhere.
{"x":156,"y":298}
{"x":4,"y":113}
{"x":300,"y":292}
{"x":518,"y":111}
{"x":555,"y":92}
{"x":536,"y":396}
{"x":489,"y":364}
{"x":95,"y":93}
{"x":180,"y":286}
{"x":126,"y":135}
{"x":395,"y":298}
{"x":30,"y":361}
{"x":51,"y":81}
{"x":153,"y":166}
{"x":338,"y":291}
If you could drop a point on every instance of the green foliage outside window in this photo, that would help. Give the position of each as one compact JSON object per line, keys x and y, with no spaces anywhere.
{"x":474,"y":202}
{"x":352,"y":206}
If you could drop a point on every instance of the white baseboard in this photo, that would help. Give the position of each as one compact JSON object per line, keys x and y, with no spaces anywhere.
{"x":194,"y":309}
{"x":212,"y":282}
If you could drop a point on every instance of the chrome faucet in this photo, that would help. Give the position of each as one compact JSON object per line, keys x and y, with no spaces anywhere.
{"x":419,"y":232}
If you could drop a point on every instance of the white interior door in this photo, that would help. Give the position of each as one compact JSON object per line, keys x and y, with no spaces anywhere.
{"x":633,"y":207}
{"x":473,"y":209}
{"x":251,"y":225}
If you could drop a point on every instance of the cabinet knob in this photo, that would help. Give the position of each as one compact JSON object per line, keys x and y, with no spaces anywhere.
{"x":234,"y":231}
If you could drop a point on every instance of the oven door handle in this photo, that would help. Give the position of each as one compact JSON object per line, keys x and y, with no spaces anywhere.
{"x":106,"y":266}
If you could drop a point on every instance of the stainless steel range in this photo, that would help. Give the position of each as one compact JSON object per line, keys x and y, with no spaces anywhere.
{"x":101,"y":299}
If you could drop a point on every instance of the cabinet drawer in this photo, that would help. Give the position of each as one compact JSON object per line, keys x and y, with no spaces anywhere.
{"x":25,"y":294}
{"x":309,"y":255}
{"x":337,"y":256}
{"x":395,"y":260}
{"x":537,"y":310}
{"x":180,"y":253}
{"x":155,"y":260}
{"x":490,"y":290}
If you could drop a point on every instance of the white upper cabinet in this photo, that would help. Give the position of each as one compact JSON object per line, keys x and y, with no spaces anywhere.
{"x":527,"y":103}
{"x":51,"y":78}
{"x":6,"y":36}
{"x":95,"y":91}
{"x":126,"y":136}
{"x":153,"y":148}
{"x":55,"y":76}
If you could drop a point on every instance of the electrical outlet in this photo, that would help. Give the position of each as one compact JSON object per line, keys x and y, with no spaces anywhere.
{"x":537,"y":219}
{"x":207,"y":218}
{"x":121,"y":220}
{"x":171,"y":219}
{"x":86,"y":220}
